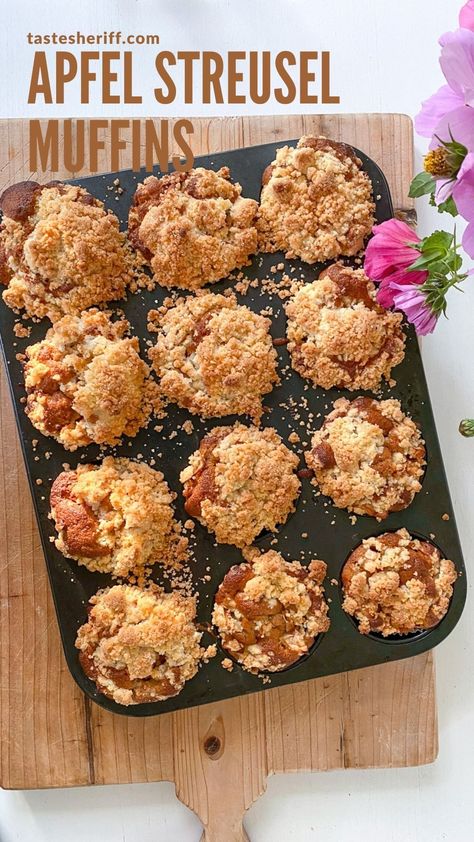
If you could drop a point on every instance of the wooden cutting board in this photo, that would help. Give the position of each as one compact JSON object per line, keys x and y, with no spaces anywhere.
{"x":218,"y":755}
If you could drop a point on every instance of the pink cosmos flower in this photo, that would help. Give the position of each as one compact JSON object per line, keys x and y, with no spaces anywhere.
{"x":466,"y":16}
{"x":457,"y":64}
{"x":449,"y":114}
{"x":412,"y":301}
{"x":388,"y":257}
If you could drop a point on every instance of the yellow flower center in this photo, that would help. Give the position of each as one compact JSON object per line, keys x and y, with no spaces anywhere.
{"x":437,"y":163}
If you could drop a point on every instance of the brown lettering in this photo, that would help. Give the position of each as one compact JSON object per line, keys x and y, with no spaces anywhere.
{"x":96,"y":144}
{"x":74,"y":146}
{"x":326,"y":80}
{"x":108,"y":77}
{"x":40,"y":83}
{"x":129,"y":97}
{"x":160,"y":96}
{"x":306,"y":77}
{"x":43,"y":150}
{"x":188,"y":58}
{"x":66,"y":69}
{"x":179,"y":128}
{"x":264,"y":96}
{"x":87,"y":75}
{"x":280,"y":61}
{"x":211,"y":78}
{"x":156,"y":148}
{"x":234,"y":77}
{"x":136,"y":149}
{"x":117,"y":143}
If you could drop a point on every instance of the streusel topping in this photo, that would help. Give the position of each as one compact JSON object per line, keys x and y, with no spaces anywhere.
{"x":87,"y":383}
{"x":396,"y":584}
{"x":215,"y":357}
{"x":241,"y":481}
{"x":316,"y":202}
{"x":140,"y":645}
{"x":60,"y":250}
{"x":368,"y":456}
{"x":116,"y":517}
{"x":193,"y":227}
{"x":339,"y":336}
{"x":269,"y":611}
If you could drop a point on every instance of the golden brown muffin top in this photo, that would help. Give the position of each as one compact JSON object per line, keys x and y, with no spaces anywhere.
{"x":60,"y":250}
{"x":396,"y":584}
{"x":215,"y":357}
{"x":87,"y":383}
{"x":140,"y":644}
{"x":368,"y":457}
{"x":116,"y":517}
{"x":316,"y":202}
{"x":339,"y":336}
{"x":194,"y":227}
{"x":241,"y":481}
{"x":269,"y":611}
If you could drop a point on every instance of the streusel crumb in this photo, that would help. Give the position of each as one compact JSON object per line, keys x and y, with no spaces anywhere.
{"x":241,"y":481}
{"x":215,"y":357}
{"x":60,"y":250}
{"x":396,"y":584}
{"x":316,"y":202}
{"x":116,"y":517}
{"x":339,"y":336}
{"x":194,"y":227}
{"x":87,"y":383}
{"x":269,"y":611}
{"x":368,"y":457}
{"x":140,"y":645}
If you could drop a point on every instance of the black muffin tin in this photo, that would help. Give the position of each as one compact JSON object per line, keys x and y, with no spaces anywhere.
{"x":331,"y":534}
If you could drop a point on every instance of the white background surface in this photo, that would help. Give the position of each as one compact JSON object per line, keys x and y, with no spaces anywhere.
{"x":384,"y":57}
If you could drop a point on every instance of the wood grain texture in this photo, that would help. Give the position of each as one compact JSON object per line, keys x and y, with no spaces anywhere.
{"x":219,"y":755}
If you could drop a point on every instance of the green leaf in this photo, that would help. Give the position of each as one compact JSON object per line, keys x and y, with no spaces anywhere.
{"x":422,"y":184}
{"x":449,"y":206}
{"x":440,"y":241}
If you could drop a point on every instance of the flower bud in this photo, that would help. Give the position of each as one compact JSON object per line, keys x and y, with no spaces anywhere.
{"x":466,"y":427}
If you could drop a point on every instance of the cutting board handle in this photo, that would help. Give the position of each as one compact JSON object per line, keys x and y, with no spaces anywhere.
{"x":220,"y":764}
{"x":225,"y":834}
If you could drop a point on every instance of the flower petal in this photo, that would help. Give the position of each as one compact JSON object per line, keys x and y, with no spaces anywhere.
{"x":385,"y":294}
{"x":435,"y":108}
{"x":468,"y":240}
{"x":413,"y":303}
{"x":463,"y":190}
{"x":466,"y":16}
{"x":389,"y":249}
{"x":457,"y":62}
{"x":444,"y":189}
{"x":458,"y":124}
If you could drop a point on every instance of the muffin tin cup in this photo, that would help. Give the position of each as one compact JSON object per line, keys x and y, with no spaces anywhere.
{"x":331,"y":534}
{"x":393,"y":638}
